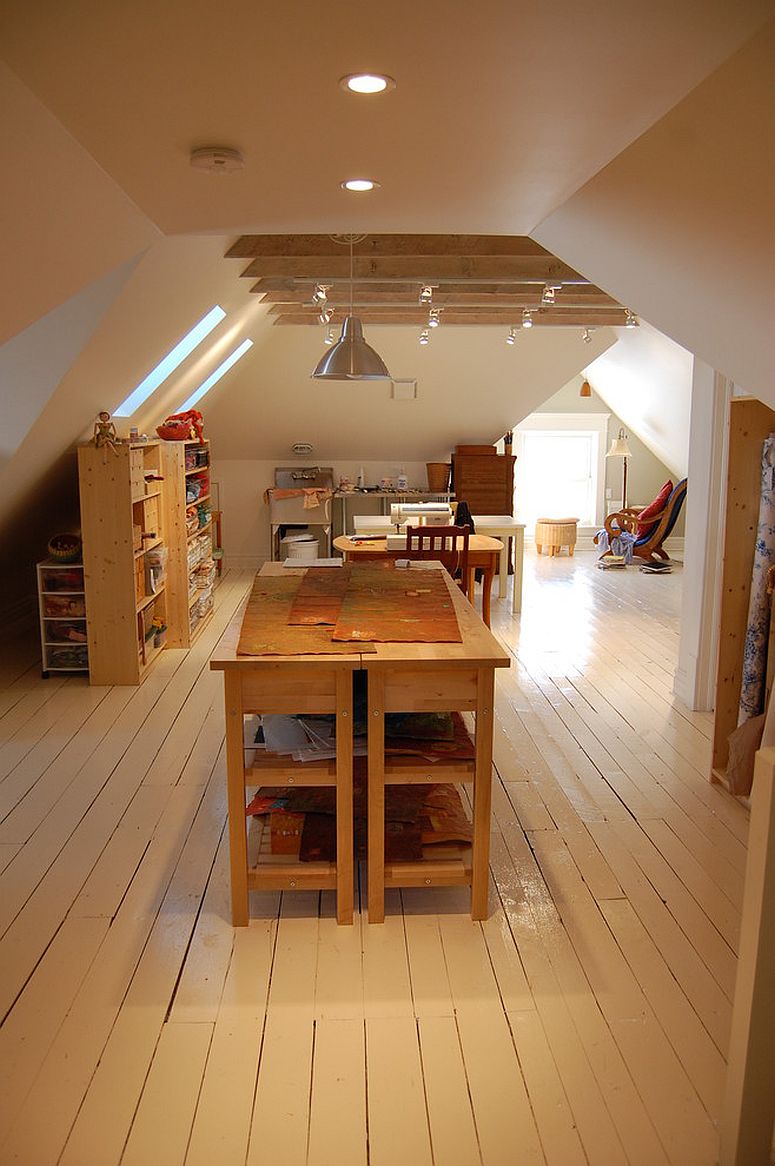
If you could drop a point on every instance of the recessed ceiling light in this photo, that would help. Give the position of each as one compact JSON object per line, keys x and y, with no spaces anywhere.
{"x":360,"y":184}
{"x":367,"y":82}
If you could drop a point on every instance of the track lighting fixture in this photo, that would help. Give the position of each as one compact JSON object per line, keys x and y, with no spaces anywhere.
{"x":630,"y":319}
{"x":329,"y":336}
{"x":425,"y":336}
{"x":434,"y":317}
{"x":426,"y":294}
{"x":324,"y":317}
{"x":548,"y":294}
{"x":320,"y":294}
{"x":527,"y":318}
{"x":512,"y":336}
{"x":586,"y":336}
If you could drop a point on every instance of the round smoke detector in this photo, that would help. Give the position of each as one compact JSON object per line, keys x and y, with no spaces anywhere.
{"x":217,"y":159}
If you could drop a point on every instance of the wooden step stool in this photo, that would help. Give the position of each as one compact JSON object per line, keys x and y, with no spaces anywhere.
{"x":556,"y":533}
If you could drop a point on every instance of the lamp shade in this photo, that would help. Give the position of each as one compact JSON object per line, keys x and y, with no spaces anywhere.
{"x":351,"y":358}
{"x":619,"y":446}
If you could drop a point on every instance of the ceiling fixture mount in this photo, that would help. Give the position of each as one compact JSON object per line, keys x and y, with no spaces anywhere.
{"x":367,"y":83}
{"x":630,"y":319}
{"x":360,"y":184}
{"x":217,"y":159}
{"x":527,"y":318}
{"x":351,"y":358}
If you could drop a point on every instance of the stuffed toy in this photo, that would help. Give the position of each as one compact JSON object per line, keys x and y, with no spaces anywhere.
{"x":182,"y":427}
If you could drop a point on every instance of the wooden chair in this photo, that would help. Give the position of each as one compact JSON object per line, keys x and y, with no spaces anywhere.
{"x":448,"y":544}
{"x":648,"y":546}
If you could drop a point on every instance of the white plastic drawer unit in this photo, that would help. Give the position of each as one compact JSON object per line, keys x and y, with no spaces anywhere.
{"x":291,"y":511}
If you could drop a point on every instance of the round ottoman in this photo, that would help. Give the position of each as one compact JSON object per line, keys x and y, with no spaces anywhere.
{"x":556,"y":533}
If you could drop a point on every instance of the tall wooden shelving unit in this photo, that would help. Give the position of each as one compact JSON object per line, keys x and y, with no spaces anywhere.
{"x":189,"y":608}
{"x":134,"y":506}
{"x":750,"y":422}
{"x":121,"y":523}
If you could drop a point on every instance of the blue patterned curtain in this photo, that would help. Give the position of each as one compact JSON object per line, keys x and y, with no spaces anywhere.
{"x":755,"y":656}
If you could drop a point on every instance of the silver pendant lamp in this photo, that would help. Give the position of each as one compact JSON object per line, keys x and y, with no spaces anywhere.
{"x":351,"y":358}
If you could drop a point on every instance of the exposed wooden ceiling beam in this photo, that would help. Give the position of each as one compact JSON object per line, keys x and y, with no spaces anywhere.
{"x":578,"y":286}
{"x":437,"y":269}
{"x":340,"y":296}
{"x":258,"y":246}
{"x":575,"y":319}
{"x":476,"y":279}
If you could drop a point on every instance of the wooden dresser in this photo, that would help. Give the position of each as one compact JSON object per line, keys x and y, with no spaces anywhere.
{"x":484,"y":480}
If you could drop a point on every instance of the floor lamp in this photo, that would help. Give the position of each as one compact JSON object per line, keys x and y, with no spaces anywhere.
{"x":620,"y":448}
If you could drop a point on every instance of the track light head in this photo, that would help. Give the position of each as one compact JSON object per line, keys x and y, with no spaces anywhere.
{"x":425,"y":336}
{"x":527,"y":318}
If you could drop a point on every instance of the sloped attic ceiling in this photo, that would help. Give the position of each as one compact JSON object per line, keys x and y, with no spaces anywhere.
{"x":499,"y":113}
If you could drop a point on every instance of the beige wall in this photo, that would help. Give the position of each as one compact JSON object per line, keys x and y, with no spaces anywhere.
{"x":680,"y":225}
{"x":646,"y":474}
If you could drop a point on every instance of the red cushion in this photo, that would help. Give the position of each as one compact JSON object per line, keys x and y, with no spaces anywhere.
{"x":646,"y":516}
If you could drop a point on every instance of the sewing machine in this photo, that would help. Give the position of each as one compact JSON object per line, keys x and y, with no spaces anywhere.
{"x":420,"y":514}
{"x":403,"y":514}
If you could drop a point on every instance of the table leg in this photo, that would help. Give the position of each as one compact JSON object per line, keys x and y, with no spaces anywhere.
{"x":376,"y":796}
{"x":519,"y":556}
{"x":344,"y":796}
{"x":480,"y":863}
{"x":235,"y":780}
{"x":503,"y":568}
{"x":489,"y":571}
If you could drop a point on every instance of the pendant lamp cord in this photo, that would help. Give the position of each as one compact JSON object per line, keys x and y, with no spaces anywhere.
{"x":351,"y":275}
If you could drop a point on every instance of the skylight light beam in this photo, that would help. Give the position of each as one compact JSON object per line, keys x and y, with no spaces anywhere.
{"x":171,"y":361}
{"x":215,"y":376}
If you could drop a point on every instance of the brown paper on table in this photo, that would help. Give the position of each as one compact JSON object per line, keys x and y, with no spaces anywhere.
{"x":319,"y":597}
{"x":399,"y":606}
{"x":265,"y":630}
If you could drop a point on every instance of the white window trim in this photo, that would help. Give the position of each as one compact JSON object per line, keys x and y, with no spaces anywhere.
{"x":565,"y":422}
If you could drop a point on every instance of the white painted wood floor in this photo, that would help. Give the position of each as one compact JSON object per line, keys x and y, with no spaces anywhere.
{"x":586,"y":1021}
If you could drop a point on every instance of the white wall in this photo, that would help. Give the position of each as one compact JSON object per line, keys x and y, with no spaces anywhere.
{"x":646,"y":380}
{"x":67,"y":222}
{"x":680,"y":225}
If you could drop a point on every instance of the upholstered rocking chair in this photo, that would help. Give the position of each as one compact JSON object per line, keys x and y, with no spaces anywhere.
{"x":649,"y":535}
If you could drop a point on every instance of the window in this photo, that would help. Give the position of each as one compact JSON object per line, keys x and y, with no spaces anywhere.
{"x":560,"y":469}
{"x":170,"y":362}
{"x":216,"y":375}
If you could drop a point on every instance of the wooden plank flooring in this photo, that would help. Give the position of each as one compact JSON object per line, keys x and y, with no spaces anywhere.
{"x":586,"y":1021}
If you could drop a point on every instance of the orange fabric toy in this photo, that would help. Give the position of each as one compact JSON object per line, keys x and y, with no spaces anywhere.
{"x":182,"y":427}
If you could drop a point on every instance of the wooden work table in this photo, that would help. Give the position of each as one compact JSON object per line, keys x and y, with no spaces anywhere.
{"x":483,"y":554}
{"x":404,"y":677}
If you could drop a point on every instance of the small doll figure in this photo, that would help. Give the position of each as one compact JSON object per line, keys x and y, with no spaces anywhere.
{"x":105,"y":432}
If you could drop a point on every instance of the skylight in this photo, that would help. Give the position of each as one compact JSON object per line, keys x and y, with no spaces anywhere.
{"x":171,"y":361}
{"x":215,"y":376}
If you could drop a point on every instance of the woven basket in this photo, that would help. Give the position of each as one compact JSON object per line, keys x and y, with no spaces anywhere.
{"x":65,"y":548}
{"x":438,"y":476}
